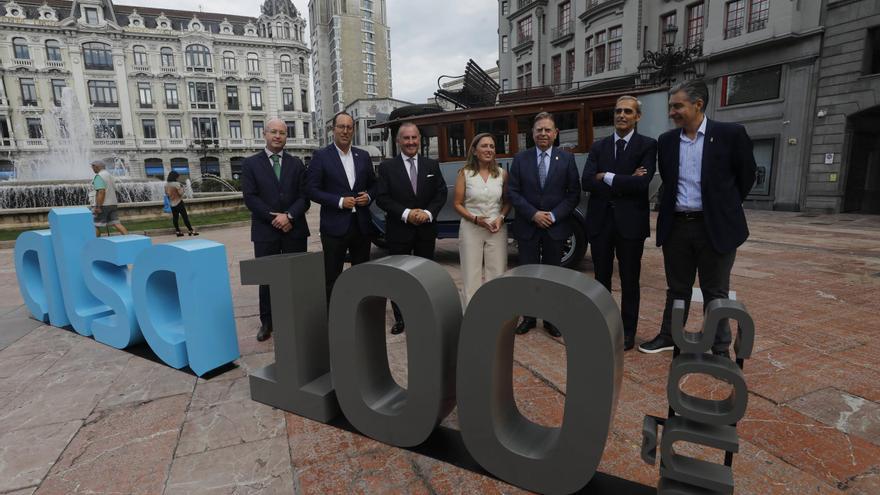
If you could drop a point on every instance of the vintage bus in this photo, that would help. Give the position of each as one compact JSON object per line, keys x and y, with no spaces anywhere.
{"x":581,"y":120}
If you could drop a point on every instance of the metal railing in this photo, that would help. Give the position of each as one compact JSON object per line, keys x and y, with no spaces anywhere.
{"x":562,"y":31}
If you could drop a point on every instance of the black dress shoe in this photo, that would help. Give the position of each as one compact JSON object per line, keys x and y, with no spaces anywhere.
{"x":397,"y":328}
{"x":265,"y":332}
{"x":552,"y":330}
{"x":628,"y":343}
{"x":657,"y":344}
{"x":525,"y":325}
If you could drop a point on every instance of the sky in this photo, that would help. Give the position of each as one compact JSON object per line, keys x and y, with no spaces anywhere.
{"x":429,"y":38}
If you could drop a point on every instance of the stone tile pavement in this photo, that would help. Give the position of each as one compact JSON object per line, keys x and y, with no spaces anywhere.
{"x":79,"y":417}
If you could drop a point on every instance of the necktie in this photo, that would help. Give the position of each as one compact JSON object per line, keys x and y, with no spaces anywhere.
{"x":542,"y":169}
{"x":413,"y":174}
{"x":621,"y":146}
{"x":276,"y":166}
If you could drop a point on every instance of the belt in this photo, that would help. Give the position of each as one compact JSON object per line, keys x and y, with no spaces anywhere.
{"x":689,"y":215}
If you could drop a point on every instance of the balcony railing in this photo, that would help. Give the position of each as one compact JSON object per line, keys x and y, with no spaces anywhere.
{"x":562,"y":31}
{"x":32,"y":143}
{"x":149,"y":142}
{"x":230,"y":73}
{"x":111,"y":142}
{"x":169,"y":69}
{"x":55,"y":64}
{"x":7,"y":143}
{"x":254,"y":73}
{"x":23,"y":62}
{"x":141,"y":68}
{"x":523,"y":43}
{"x":176,"y":143}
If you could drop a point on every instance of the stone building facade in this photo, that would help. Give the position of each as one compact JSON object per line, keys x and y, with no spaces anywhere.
{"x":351,"y":55}
{"x":162,"y":89}
{"x":801,"y":76}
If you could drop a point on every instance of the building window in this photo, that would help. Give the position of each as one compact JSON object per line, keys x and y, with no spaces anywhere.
{"x":232,"y":97}
{"x":505,"y":44}
{"x":600,"y":52}
{"x":201,"y":95}
{"x":175,"y":131}
{"x":556,"y":70}
{"x":615,"y":47}
{"x":302,"y":66}
{"x":287,"y":99}
{"x":563,"y":16}
{"x":695,"y":25}
{"x":140,"y":56}
{"x":524,"y":76}
{"x":306,"y":133}
{"x":205,"y":129}
{"x":166,"y":55}
{"x":667,"y":35}
{"x":524,"y":30}
{"x":103,"y":93}
{"x":291,"y":130}
{"x":759,"y":12}
{"x":588,"y":56}
{"x":304,"y":100}
{"x":256,"y":98}
{"x":505,"y":7}
{"x":235,"y":129}
{"x":91,"y":15}
{"x":505,"y":85}
{"x":198,"y":58}
{"x":253,"y":62}
{"x":735,"y":14}
{"x":752,"y":86}
{"x":286,"y":65}
{"x":569,"y":68}
{"x":171,"y":98}
{"x":53,"y":51}
{"x":872,"y":52}
{"x":229,"y":61}
{"x":35,"y":128}
{"x":97,"y":56}
{"x":28,"y":92}
{"x":149,"y":126}
{"x":258,"y":129}
{"x":20,"y":49}
{"x":108,"y":129}
{"x":145,"y":95}
{"x":58,"y":86}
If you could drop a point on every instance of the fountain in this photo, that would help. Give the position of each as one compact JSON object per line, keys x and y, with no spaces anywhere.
{"x":62,"y":175}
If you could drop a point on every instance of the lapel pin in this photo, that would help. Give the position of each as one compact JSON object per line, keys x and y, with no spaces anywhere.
{"x":711,"y":139}
{"x":557,"y":158}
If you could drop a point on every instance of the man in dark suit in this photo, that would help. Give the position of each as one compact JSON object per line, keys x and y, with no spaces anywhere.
{"x":341,"y":179}
{"x":411,"y":190}
{"x":544,"y":190}
{"x":617,"y":173}
{"x":707,"y":169}
{"x":274,"y":188}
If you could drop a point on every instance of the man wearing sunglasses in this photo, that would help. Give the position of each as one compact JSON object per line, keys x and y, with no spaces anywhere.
{"x":618,"y":171}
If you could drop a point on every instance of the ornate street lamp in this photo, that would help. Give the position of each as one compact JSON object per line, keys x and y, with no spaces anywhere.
{"x":661,"y":67}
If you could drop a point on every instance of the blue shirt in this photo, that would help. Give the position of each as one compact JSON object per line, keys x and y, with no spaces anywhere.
{"x":688,"y":195}
{"x":549,"y":153}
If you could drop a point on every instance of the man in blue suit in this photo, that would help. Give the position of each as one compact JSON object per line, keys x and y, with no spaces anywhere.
{"x":274,"y":188}
{"x":618,"y":171}
{"x":544,"y":190}
{"x":708,"y":170}
{"x":342,"y":181}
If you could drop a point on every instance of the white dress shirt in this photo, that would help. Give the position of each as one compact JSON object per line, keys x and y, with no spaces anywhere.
{"x":608,"y":178}
{"x":415,"y":159}
{"x":347,"y":160}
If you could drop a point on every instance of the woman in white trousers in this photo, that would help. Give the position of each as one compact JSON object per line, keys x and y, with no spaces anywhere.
{"x":481,"y":200}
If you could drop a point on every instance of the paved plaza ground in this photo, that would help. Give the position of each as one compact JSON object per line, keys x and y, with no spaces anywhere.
{"x":80,"y":417}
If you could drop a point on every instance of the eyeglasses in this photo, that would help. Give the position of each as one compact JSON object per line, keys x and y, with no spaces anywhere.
{"x":345,"y":127}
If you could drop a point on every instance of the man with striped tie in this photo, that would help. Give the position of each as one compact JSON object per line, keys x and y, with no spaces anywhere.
{"x":544,"y":189}
{"x":274,"y":187}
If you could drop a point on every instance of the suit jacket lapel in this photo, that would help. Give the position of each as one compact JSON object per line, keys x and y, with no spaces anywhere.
{"x":286,"y":165}
{"x":708,"y":142}
{"x":339,"y":167}
{"x":358,"y":172}
{"x":533,"y":166}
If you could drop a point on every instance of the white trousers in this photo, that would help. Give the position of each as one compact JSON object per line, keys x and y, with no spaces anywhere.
{"x":483,"y":255}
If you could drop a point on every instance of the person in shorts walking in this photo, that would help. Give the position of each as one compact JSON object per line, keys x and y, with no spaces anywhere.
{"x":105,"y":208}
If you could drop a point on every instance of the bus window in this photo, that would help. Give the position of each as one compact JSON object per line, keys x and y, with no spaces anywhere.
{"x":430,"y":142}
{"x":603,"y":123}
{"x":524,"y":137}
{"x":567,"y":124}
{"x":455,"y":141}
{"x":498,"y":129}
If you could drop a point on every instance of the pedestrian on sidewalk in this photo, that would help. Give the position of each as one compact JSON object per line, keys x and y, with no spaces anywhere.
{"x":105,"y":208}
{"x":174,"y":191}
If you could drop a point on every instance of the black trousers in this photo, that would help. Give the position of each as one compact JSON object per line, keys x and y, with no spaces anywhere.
{"x":688,"y":252}
{"x":604,"y":247}
{"x":281,"y":246}
{"x":540,"y":249}
{"x":423,"y":248}
{"x":335,"y":248}
{"x":177,"y":212}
